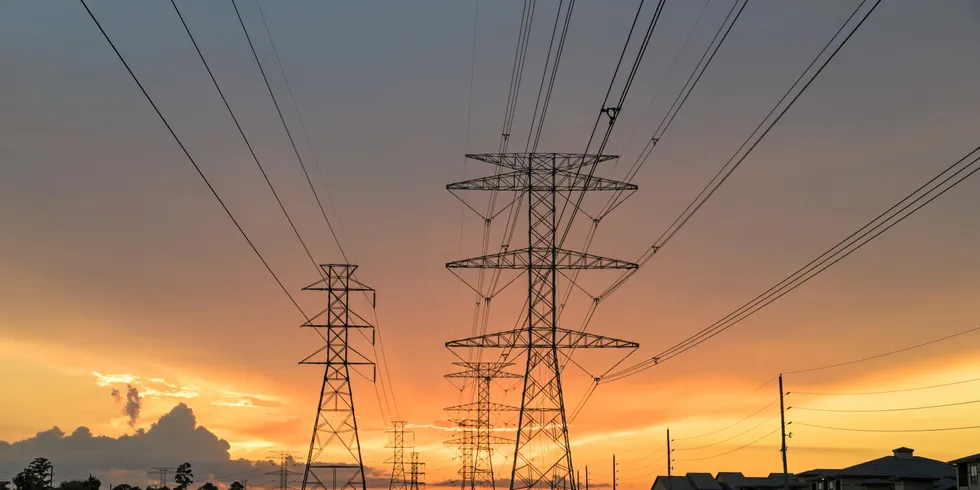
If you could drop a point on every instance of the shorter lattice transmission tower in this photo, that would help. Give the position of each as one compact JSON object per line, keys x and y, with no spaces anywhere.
{"x":476,"y":443}
{"x":416,"y":472}
{"x":161,"y":472}
{"x":334,"y":461}
{"x":283,"y":475}
{"x":399,"y":479}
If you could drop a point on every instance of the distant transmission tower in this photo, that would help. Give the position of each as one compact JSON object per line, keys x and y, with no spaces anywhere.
{"x":284,"y":474}
{"x":398,"y":479}
{"x":466,"y":443}
{"x":416,"y":472}
{"x":477,"y":464}
{"x":161,"y":473}
{"x":334,"y":461}
{"x":542,"y":456}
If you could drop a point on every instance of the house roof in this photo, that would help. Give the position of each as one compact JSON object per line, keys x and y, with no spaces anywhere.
{"x":907,"y":467}
{"x":966,"y":459}
{"x":735,"y":480}
{"x":704,"y":481}
{"x":674,"y":483}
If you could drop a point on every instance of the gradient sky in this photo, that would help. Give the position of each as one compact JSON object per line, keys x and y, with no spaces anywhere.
{"x":116,"y":261}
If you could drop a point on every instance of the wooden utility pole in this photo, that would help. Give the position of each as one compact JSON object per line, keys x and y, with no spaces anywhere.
{"x":669,"y":485}
{"x":586,"y":477}
{"x":614,"y":472}
{"x":782,"y":420}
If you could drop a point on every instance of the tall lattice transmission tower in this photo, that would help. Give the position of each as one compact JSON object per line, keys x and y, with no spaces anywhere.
{"x":476,"y":441}
{"x":542,"y":456}
{"x":399,"y":480}
{"x":334,"y":460}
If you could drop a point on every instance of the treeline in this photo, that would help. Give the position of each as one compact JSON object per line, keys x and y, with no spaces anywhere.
{"x":39,"y":475}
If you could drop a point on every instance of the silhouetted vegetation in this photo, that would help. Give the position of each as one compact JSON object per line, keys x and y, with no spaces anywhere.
{"x":39,"y":475}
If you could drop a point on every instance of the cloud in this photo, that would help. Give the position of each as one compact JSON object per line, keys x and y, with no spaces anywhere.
{"x":149,"y":388}
{"x":232,"y":399}
{"x":133,"y":404}
{"x":173,"y":439}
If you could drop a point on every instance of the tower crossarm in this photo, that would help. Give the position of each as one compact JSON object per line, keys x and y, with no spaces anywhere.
{"x":521,"y":181}
{"x":492,"y":440}
{"x":474,"y":406}
{"x":532,"y":258}
{"x":520,"y":161}
{"x":542,"y":337}
{"x":483,"y":374}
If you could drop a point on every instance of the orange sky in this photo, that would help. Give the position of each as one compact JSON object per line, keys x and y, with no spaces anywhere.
{"x":119,"y":267}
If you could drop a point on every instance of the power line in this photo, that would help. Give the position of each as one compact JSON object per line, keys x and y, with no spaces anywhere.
{"x":733,"y":450}
{"x":850,"y":429}
{"x":611,"y":112}
{"x":735,"y":161}
{"x":382,"y":362}
{"x":879,"y":410}
{"x":299,"y":115}
{"x":191,"y":159}
{"x":878,"y":356}
{"x":746,"y":431}
{"x":888,"y":391}
{"x":663,"y":81}
{"x":289,"y":134}
{"x":747,"y":417}
{"x":658,"y":451}
{"x":844,"y":248}
{"x":709,"y":54}
{"x":242,"y":133}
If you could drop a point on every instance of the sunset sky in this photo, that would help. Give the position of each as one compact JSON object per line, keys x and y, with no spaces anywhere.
{"x":119,"y":268}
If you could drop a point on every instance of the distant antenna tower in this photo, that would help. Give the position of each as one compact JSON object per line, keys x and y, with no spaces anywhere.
{"x":477,"y":439}
{"x":397,"y":460}
{"x":416,"y":472}
{"x":334,"y":460}
{"x":542,"y":456}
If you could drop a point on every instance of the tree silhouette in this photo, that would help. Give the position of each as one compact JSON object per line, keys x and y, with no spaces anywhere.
{"x":35,"y":476}
{"x":184,"y":476}
{"x":236,"y":485}
{"x":91,"y":483}
{"x":207,"y":486}
{"x":4,"y":485}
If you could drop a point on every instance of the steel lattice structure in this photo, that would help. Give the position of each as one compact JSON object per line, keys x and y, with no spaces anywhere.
{"x":542,"y":457}
{"x":416,"y":472}
{"x":475,"y":447}
{"x":398,"y":479}
{"x":334,"y":461}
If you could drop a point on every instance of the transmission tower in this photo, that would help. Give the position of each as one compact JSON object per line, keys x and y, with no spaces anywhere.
{"x":284,"y":475}
{"x":397,"y":460}
{"x":466,"y":443}
{"x":542,"y":456}
{"x":477,"y":465}
{"x":334,"y":461}
{"x":416,"y":472}
{"x":161,"y":473}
